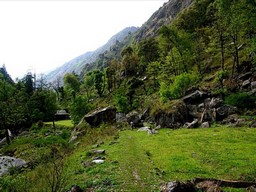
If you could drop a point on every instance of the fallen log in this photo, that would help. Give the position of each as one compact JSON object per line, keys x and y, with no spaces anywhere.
{"x":225,"y":183}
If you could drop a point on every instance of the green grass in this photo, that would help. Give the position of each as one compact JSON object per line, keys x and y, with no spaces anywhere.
{"x":67,"y":123}
{"x":136,"y":161}
{"x":146,"y":161}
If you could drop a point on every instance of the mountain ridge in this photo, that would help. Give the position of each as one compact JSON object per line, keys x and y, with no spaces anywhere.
{"x":76,"y":64}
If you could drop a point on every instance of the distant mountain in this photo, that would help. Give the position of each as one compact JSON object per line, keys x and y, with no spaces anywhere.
{"x":163,"y":16}
{"x":78,"y":63}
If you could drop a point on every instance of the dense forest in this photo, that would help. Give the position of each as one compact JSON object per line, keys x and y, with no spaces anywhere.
{"x":206,"y":48}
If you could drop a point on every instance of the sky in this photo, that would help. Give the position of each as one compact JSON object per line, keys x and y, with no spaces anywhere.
{"x":42,"y":35}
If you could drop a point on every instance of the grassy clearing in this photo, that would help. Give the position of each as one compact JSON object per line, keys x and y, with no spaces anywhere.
{"x":67,"y":123}
{"x":145,"y":161}
{"x":136,"y":161}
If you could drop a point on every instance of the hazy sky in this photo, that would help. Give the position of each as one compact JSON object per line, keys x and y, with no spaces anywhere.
{"x":43,"y":35}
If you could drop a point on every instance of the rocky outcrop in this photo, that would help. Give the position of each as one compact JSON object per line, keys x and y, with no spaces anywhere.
{"x":173,"y":117}
{"x":6,"y":162}
{"x":134,"y":119}
{"x":98,"y":116}
{"x":161,"y":17}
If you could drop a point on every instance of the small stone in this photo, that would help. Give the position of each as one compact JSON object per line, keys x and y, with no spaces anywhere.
{"x":98,"y":161}
{"x":205,"y":125}
{"x":99,"y":151}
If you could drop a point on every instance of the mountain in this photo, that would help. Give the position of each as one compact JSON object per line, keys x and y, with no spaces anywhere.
{"x":163,"y":16}
{"x":77,"y":64}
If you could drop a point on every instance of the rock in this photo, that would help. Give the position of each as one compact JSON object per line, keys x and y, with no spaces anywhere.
{"x":75,"y":188}
{"x":193,"y":124}
{"x":145,"y":115}
{"x":87,"y":164}
{"x":99,"y":151}
{"x":195,"y":97}
{"x":192,"y":110}
{"x":133,"y":118}
{"x":246,"y":84}
{"x":143,"y":129}
{"x":148,"y":130}
{"x":215,"y":102}
{"x":173,"y":117}
{"x":98,"y":157}
{"x":7,"y":162}
{"x":234,"y":121}
{"x":253,"y":124}
{"x":98,"y":161}
{"x":245,"y":76}
{"x":177,"y":186}
{"x":251,"y":189}
{"x":224,"y":111}
{"x":105,"y":115}
{"x":205,"y":125}
{"x":120,"y":117}
{"x":253,"y":85}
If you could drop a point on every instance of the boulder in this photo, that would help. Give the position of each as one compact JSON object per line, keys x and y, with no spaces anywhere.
{"x":215,"y":102}
{"x":195,"y":97}
{"x":246,"y":84}
{"x":224,"y":111}
{"x":134,"y":119}
{"x":244,"y":76}
{"x":172,"y":117}
{"x":105,"y":115}
{"x":120,"y":117}
{"x":7,"y":162}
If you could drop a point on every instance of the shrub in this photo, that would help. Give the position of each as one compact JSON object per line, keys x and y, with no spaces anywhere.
{"x":121,"y":101}
{"x":179,"y":86}
{"x":241,"y":100}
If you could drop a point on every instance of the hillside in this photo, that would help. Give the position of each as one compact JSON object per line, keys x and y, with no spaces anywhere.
{"x":78,"y":63}
{"x":163,"y":16}
{"x":176,"y":104}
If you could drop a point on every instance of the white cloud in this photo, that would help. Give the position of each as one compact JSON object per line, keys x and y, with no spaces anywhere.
{"x":46,"y":34}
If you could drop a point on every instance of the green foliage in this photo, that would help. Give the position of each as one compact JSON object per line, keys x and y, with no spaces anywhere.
{"x":179,"y":86}
{"x":99,"y":81}
{"x":121,"y":101}
{"x":241,"y":100}
{"x":79,"y":107}
{"x":220,"y":76}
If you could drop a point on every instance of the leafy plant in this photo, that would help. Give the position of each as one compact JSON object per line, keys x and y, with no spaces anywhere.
{"x":241,"y":100}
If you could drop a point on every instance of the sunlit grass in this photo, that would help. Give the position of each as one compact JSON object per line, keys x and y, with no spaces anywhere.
{"x":67,"y":123}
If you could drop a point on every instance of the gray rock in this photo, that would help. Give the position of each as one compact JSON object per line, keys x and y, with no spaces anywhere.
{"x":176,"y":186}
{"x":105,"y":115}
{"x":134,"y":119}
{"x":193,"y":124}
{"x":195,"y":97}
{"x":120,"y":117}
{"x":174,"y":117}
{"x":246,"y":84}
{"x":215,"y":102}
{"x":7,"y":162}
{"x":253,"y":85}
{"x":205,"y":125}
{"x":98,"y":161}
{"x":245,"y":76}
{"x":99,"y":151}
{"x":224,"y":111}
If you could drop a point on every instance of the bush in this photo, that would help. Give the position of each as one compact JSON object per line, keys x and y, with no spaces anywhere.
{"x":241,"y":100}
{"x":179,"y":86}
{"x":121,"y":101}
